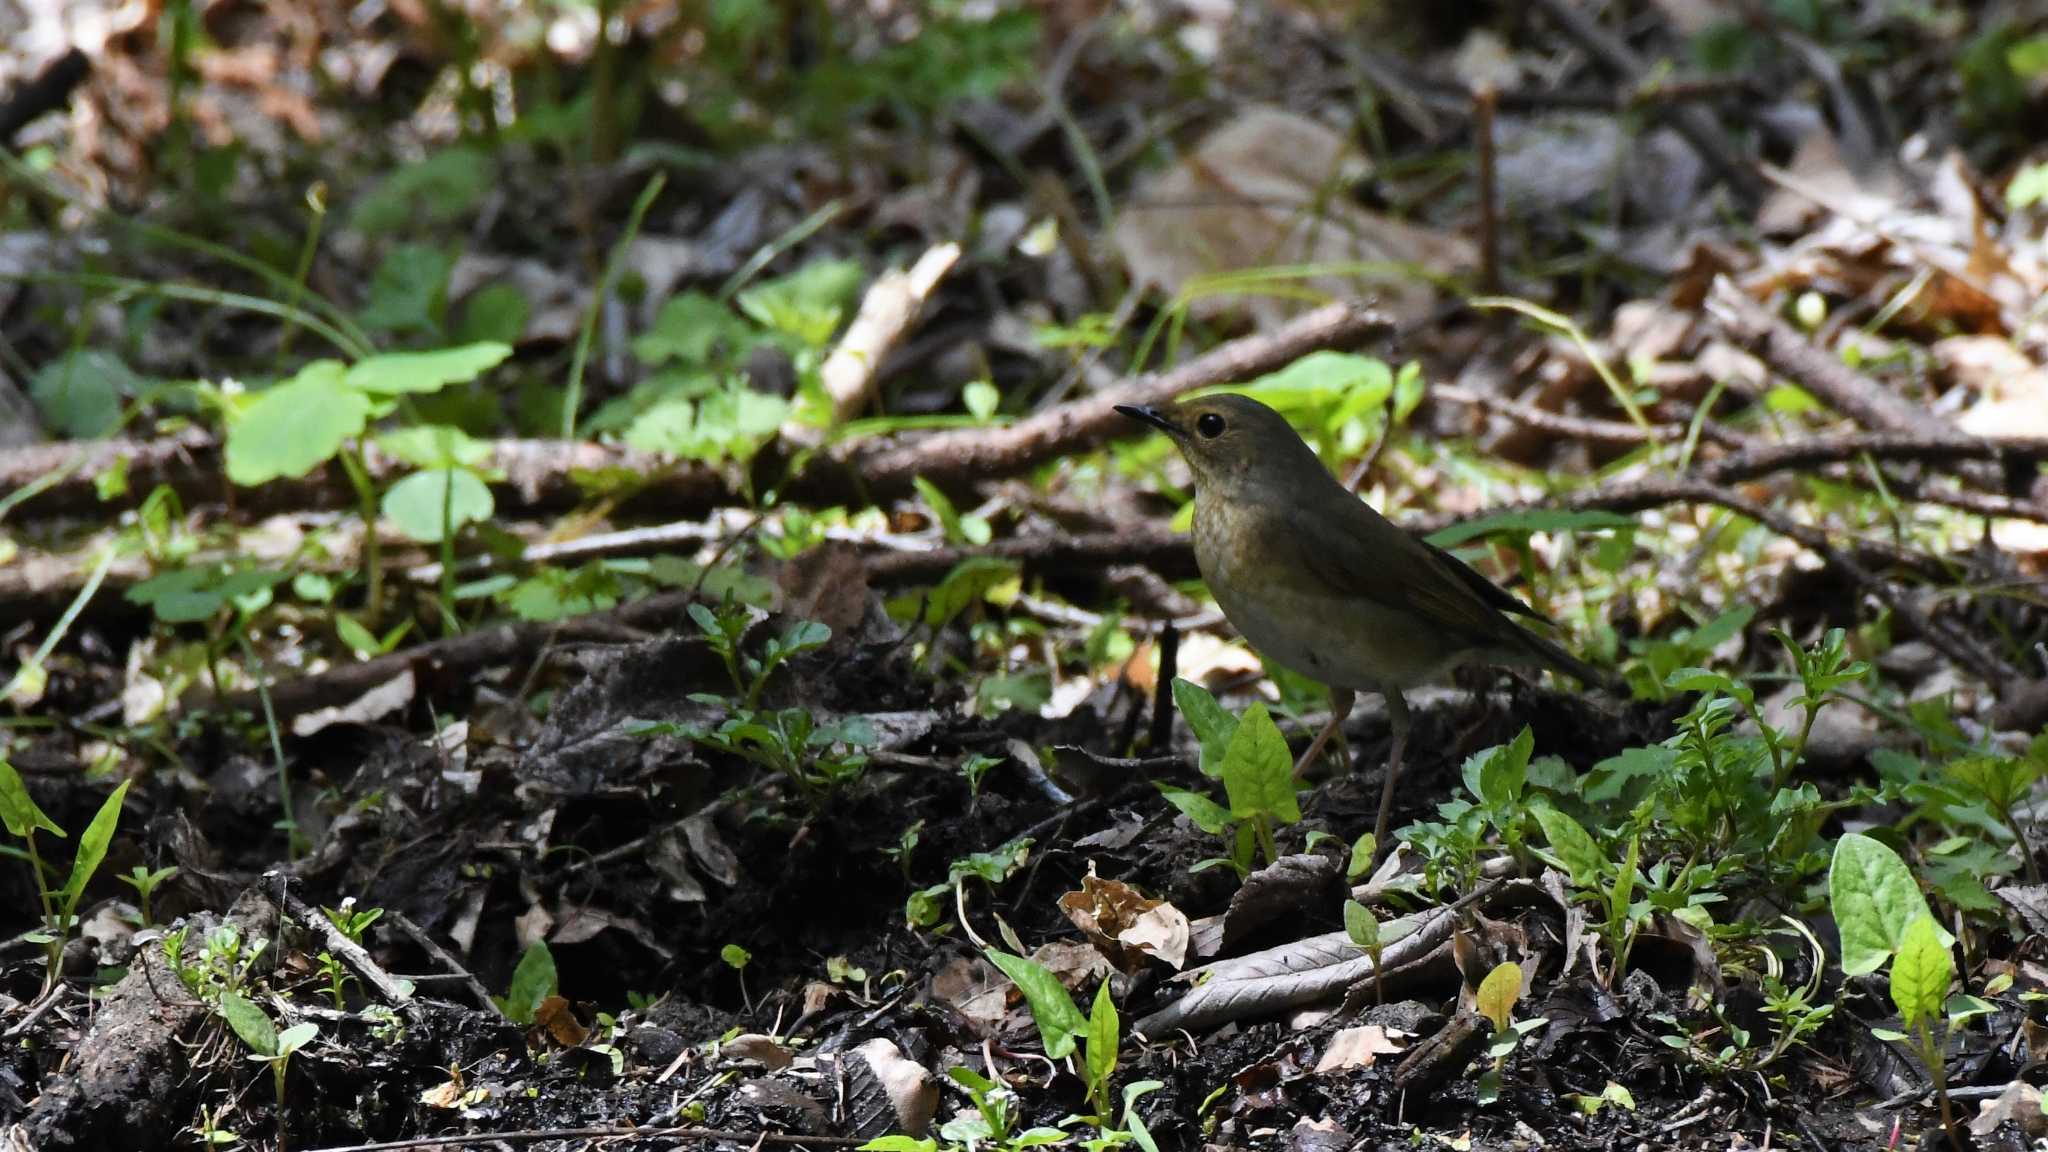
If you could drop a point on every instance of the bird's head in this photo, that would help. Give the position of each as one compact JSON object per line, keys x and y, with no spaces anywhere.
{"x":1235,"y":445}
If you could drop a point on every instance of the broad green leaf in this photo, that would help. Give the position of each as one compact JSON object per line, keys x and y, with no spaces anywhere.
{"x":426,"y":505}
{"x":981,"y":398}
{"x":533,"y":981}
{"x":964,"y":586}
{"x":1497,"y":774}
{"x":1529,"y":520}
{"x":1708,"y":680}
{"x":1258,"y":771}
{"x":80,"y":393}
{"x":1206,"y":814}
{"x":735,"y":956}
{"x":1361,"y":925}
{"x":295,"y":427}
{"x":420,"y":372}
{"x":1103,"y":1036}
{"x":807,"y":303}
{"x":437,"y":190}
{"x":693,"y":328}
{"x":1059,"y":1022}
{"x":900,"y":1143}
{"x":1574,"y":846}
{"x":180,"y":596}
{"x":1874,"y":900}
{"x":1921,"y":973}
{"x":1498,"y":993}
{"x":1210,"y":722}
{"x":1323,"y":376}
{"x":18,"y":810}
{"x":409,"y":290}
{"x":434,"y":446}
{"x":1610,"y":779}
{"x":494,"y":312}
{"x":667,"y":428}
{"x":92,"y":848}
{"x":250,"y":1023}
{"x":2029,"y":186}
{"x":296,"y":1037}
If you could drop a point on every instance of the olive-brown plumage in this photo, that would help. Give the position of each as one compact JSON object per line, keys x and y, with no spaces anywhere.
{"x":1322,"y":584}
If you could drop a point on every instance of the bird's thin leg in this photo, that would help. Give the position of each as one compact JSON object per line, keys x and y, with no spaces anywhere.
{"x":1341,"y":700}
{"x":1397,"y":720}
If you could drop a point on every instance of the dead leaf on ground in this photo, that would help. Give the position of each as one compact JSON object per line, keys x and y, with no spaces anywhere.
{"x":2019,"y":1104}
{"x":391,"y":696}
{"x":1075,"y":964}
{"x":976,"y":990}
{"x":1266,"y":190}
{"x":1127,"y":926}
{"x":560,"y":1021}
{"x":763,"y":1050}
{"x":1356,"y":1048}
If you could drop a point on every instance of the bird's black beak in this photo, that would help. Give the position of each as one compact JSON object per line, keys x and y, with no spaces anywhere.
{"x":1146,"y":414}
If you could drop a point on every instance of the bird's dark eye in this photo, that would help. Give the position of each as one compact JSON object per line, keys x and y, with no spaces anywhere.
{"x":1210,"y":425}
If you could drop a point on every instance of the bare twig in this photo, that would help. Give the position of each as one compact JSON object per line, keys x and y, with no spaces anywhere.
{"x":348,"y":951}
{"x":1869,"y":403}
{"x":951,"y":459}
{"x":886,"y":314}
{"x":544,"y":475}
{"x":1589,"y":429}
{"x":1484,"y":101}
{"x":440,"y":955}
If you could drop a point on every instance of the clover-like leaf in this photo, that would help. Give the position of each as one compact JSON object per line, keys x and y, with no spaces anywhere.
{"x":425,"y":506}
{"x":295,"y":427}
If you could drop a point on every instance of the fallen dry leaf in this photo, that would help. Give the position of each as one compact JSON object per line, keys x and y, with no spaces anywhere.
{"x":1266,"y":191}
{"x":1125,"y":925}
{"x":1356,"y":1048}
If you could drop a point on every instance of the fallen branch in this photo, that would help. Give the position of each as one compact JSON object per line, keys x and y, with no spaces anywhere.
{"x":886,"y":313}
{"x":1780,"y":346}
{"x":953,"y":459}
{"x":1816,"y":451}
{"x":541,"y":476}
{"x":1588,"y":429}
{"x":396,"y":993}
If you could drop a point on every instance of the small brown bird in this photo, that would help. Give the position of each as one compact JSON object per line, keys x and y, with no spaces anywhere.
{"x":1320,"y":583}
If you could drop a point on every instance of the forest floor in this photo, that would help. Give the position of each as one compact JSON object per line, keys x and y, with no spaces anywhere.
{"x":564,"y":589}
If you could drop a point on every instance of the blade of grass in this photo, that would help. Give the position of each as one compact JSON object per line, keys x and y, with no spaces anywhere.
{"x":606,"y":282}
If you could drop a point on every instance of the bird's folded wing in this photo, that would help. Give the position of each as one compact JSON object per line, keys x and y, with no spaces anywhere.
{"x":1373,"y":560}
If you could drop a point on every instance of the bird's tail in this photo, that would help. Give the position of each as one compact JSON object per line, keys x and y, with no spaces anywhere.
{"x":1552,"y":655}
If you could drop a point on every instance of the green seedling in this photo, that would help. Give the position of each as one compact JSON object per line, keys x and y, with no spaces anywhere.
{"x":725,"y":627}
{"x":1250,"y":757}
{"x":220,"y":968}
{"x":533,"y":981}
{"x":737,"y":958}
{"x":1922,"y":969}
{"x":1365,"y":930}
{"x":23,"y":819}
{"x":1063,"y":1029}
{"x":924,"y":907}
{"x":145,"y":881}
{"x":1495,"y":1000}
{"x":266,"y":1044}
